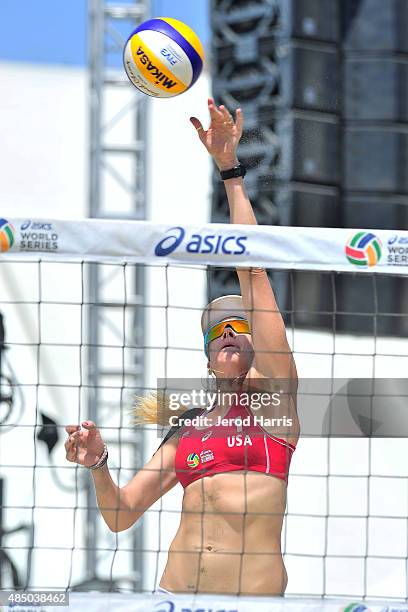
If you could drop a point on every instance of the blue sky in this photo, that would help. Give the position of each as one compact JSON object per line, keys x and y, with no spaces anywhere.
{"x":54,"y":31}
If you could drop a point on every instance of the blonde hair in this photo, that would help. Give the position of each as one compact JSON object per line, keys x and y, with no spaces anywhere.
{"x":154,"y":409}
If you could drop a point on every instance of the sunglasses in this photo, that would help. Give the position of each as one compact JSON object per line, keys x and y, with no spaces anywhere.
{"x":240,"y":326}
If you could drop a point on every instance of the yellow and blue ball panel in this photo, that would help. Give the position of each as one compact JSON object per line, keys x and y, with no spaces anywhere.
{"x":163,"y":57}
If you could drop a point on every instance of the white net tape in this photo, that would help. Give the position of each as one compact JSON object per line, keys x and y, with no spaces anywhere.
{"x":297,"y":248}
{"x":94,"y":602}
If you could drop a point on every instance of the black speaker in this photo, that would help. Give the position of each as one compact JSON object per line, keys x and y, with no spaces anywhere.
{"x":310,"y":300}
{"x":376,"y":89}
{"x":375,"y":25}
{"x":375,"y":211}
{"x":316,"y":19}
{"x":372,"y":304}
{"x":314,"y":206}
{"x":316,"y":78}
{"x":316,"y":149}
{"x":376,"y":159}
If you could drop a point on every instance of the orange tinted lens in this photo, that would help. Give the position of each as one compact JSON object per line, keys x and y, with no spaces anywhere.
{"x":215,"y":332}
{"x":240,"y":326}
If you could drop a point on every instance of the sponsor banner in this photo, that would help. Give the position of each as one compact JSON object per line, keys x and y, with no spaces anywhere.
{"x":99,"y":602}
{"x":301,"y":248}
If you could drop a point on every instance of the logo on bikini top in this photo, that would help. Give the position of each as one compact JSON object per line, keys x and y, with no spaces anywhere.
{"x":206,"y":455}
{"x":193,"y":460}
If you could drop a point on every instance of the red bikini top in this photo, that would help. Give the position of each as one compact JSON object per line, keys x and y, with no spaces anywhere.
{"x":237,"y":443}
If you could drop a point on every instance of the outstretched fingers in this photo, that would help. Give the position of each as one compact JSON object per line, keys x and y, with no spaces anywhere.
{"x":239,"y":120}
{"x":199,"y":127}
{"x":227,"y":117}
{"x":215,"y":114}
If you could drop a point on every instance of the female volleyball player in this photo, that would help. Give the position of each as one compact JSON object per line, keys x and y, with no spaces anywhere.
{"x":234,"y":475}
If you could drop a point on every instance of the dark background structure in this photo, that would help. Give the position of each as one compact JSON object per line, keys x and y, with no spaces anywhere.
{"x":324,"y":88}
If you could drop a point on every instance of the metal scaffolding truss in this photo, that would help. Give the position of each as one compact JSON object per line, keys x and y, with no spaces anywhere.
{"x":117,"y":189}
{"x":118,"y":114}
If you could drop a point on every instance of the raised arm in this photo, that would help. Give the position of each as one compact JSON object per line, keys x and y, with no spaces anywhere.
{"x":273,"y":357}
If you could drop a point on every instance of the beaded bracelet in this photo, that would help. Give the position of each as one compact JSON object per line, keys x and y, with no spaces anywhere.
{"x":102,"y":460}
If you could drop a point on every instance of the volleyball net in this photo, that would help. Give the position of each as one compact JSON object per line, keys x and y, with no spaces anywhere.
{"x":95,"y":312}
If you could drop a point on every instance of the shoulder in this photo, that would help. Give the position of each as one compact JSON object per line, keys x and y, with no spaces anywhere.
{"x":175,"y":432}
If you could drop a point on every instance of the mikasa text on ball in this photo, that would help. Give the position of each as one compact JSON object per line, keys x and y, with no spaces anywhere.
{"x":163,"y":57}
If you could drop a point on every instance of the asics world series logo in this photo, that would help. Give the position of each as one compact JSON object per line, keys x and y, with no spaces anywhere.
{"x":203,"y":244}
{"x":365,"y":249}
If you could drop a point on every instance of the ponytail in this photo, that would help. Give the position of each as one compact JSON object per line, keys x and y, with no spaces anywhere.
{"x":154,"y":409}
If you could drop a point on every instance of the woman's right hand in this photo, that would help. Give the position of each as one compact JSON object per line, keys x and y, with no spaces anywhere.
{"x":84,"y":446}
{"x":222,"y":137}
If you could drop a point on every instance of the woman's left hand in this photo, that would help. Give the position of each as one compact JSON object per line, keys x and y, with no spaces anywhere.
{"x":222,"y":137}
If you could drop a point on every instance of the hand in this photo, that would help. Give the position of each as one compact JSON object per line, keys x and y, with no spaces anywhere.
{"x":222,"y":137}
{"x":85,"y":446}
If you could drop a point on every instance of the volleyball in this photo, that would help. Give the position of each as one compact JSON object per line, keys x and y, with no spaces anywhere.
{"x":163,"y":57}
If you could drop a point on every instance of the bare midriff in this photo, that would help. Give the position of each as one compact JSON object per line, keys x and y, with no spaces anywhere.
{"x":229,"y":538}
